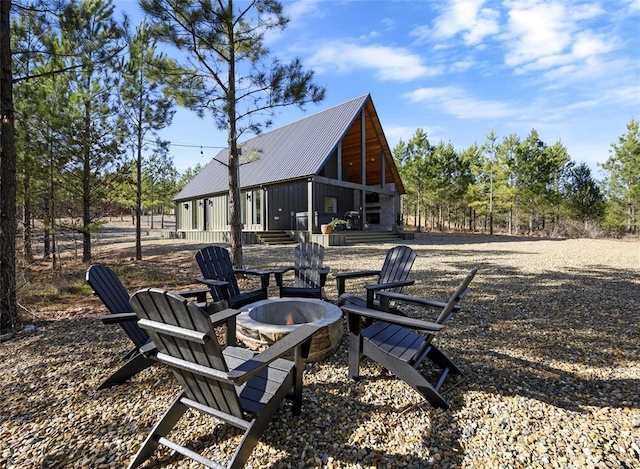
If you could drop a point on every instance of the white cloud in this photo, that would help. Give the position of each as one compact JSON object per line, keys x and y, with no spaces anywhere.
{"x":466,"y":17}
{"x":588,"y":44}
{"x":536,"y":31}
{"x":458,"y":103}
{"x":389,"y":63}
{"x":301,"y":9}
{"x":543,"y":35}
{"x":461,"y":66}
{"x":629,"y":95}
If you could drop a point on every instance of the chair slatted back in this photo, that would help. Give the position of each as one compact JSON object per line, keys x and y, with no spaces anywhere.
{"x":215,"y":263}
{"x":397,"y":265}
{"x":308,"y":262}
{"x":459,"y":294}
{"x":185,"y":337}
{"x":108,"y":287}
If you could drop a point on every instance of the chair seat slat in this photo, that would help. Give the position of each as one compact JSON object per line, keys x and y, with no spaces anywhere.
{"x":398,"y":342}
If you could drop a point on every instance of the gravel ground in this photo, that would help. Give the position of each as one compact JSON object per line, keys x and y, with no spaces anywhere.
{"x":548,"y":340}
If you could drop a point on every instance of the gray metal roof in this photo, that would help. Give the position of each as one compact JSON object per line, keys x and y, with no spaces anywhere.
{"x":294,"y":151}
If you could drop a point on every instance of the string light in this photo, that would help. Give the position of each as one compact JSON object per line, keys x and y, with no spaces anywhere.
{"x":7,"y":116}
{"x":188,"y":145}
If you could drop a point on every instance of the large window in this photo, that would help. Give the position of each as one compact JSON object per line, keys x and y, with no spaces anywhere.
{"x":252,"y":207}
{"x":194,"y":215}
{"x":257,"y":207}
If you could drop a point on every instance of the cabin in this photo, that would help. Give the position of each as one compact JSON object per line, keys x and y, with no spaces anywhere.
{"x":333,"y":164}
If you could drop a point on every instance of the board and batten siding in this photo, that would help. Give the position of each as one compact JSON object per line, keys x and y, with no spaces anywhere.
{"x":212,"y":213}
{"x":283,"y":200}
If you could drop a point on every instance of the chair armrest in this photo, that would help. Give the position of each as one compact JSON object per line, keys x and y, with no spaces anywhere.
{"x":264,"y":276}
{"x":361,"y":273}
{"x":278,"y":273}
{"x":282,"y":270}
{"x":342,"y":277}
{"x":383,"y":286}
{"x":118,"y":318}
{"x":386,"y":296}
{"x":227,"y":317}
{"x":200,"y":294}
{"x":295,"y":339}
{"x":223,"y":316}
{"x":411,"y":323}
{"x":252,"y":271}
{"x":211,"y":282}
{"x":223,"y":286}
{"x":377,"y":287}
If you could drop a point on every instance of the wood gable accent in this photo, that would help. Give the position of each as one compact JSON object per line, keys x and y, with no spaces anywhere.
{"x":377,"y":152}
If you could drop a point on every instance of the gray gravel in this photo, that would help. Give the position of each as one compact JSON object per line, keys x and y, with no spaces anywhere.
{"x":548,"y":340}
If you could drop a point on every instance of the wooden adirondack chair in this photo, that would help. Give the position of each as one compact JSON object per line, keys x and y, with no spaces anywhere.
{"x":218,"y":272}
{"x":237,"y":386}
{"x":392,"y":277}
{"x":108,"y":287}
{"x":309,"y":275}
{"x":391,"y":341}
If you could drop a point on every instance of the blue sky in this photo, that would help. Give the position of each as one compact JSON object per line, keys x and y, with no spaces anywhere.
{"x":460,"y":68}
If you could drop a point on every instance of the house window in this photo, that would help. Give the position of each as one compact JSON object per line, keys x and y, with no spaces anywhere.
{"x":205,"y":214}
{"x":251,"y":207}
{"x":194,"y":215}
{"x":331,"y":205}
{"x":257,"y":207}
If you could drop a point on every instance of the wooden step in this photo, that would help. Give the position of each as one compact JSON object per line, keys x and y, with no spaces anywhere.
{"x":273,"y":238}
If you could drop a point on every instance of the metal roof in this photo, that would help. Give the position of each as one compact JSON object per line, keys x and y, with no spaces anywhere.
{"x":294,"y":151}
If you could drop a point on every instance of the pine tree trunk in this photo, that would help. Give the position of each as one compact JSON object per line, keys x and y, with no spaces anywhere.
{"x":8,"y":303}
{"x":234,"y":157}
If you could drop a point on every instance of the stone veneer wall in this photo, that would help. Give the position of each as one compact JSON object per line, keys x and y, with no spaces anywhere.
{"x":388,"y":211}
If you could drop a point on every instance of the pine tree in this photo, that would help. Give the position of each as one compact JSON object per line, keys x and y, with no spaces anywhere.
{"x":230,"y":77}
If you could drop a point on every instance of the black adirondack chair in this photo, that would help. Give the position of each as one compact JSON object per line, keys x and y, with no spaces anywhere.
{"x":392,"y":277}
{"x":391,"y":341}
{"x":309,"y":274}
{"x":218,"y":273}
{"x":108,"y":287}
{"x":234,"y":385}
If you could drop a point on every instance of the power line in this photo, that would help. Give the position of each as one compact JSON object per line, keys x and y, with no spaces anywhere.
{"x":188,"y":145}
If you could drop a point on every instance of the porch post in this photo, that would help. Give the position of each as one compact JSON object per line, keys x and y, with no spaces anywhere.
{"x":383,"y":167}
{"x":311,"y":221}
{"x":265,"y":208}
{"x":363,"y":165}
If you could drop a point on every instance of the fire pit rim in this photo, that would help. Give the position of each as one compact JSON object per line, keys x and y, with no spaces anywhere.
{"x":333,"y":313}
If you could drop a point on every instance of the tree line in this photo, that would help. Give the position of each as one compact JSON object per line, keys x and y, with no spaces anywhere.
{"x":84,"y":95}
{"x":89,"y":100}
{"x":519,"y":186}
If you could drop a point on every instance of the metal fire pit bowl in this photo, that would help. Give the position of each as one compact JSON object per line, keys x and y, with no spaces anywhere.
{"x":262,"y":323}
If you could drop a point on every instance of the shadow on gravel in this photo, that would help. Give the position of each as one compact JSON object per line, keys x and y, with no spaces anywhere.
{"x":565,"y":338}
